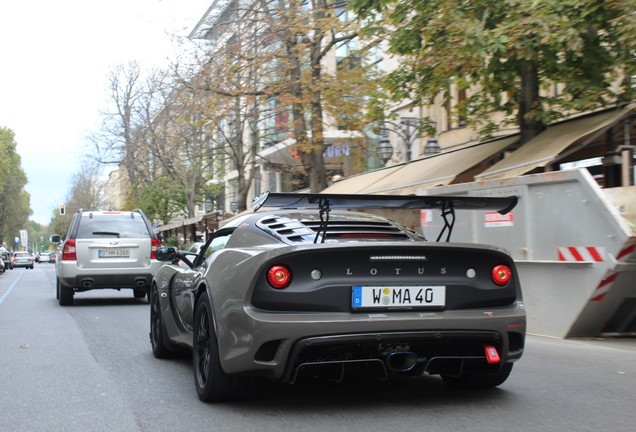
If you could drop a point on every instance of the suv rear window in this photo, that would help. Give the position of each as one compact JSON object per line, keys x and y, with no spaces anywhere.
{"x":125,"y":225}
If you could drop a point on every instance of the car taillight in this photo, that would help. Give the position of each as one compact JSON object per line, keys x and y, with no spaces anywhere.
{"x":69,"y":252}
{"x":154,"y":245}
{"x":279,"y":276}
{"x":501,"y":274}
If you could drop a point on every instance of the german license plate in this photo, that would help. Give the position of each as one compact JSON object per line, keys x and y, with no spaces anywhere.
{"x":397,"y":297}
{"x":113,"y":253}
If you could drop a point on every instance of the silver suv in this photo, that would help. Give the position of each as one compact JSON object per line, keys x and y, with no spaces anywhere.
{"x":106,"y":249}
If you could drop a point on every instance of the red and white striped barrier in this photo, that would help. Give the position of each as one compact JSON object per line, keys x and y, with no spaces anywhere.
{"x":579,"y":254}
{"x":606,"y":283}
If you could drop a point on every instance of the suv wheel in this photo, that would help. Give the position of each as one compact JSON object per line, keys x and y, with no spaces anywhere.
{"x":66,"y":296}
{"x":139,"y":293}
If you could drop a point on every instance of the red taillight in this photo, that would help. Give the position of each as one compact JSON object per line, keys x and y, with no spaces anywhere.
{"x":68,"y":252}
{"x":154,"y":245}
{"x":501,"y":274}
{"x":279,"y":276}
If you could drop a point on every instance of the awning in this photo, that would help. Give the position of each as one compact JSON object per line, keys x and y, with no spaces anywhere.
{"x":548,"y":146}
{"x":438,"y":170}
{"x":179,"y":224}
{"x":209,"y":220}
{"x":356,"y":183}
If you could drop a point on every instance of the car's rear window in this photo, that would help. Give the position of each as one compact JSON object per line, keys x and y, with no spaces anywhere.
{"x":112,"y":226}
{"x":21,"y":254}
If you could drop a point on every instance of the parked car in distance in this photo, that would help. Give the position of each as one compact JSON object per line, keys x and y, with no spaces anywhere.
{"x":6,"y":257}
{"x":22,"y":259}
{"x":45,"y":257}
{"x":308,"y":289}
{"x":106,"y":250}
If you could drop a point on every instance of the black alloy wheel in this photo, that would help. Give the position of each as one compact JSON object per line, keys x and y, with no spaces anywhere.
{"x":139,"y":293}
{"x":161,"y":348}
{"x":212,"y":383}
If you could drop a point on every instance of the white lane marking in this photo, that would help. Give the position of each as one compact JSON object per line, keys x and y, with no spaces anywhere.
{"x":8,"y":291}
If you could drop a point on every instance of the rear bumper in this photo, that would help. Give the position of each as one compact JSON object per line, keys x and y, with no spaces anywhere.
{"x":83,"y":279}
{"x":284,"y":346}
{"x":86,"y":282}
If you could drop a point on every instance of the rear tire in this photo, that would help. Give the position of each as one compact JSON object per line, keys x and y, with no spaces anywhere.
{"x":474,"y":380}
{"x":66,"y":296}
{"x":161,"y":347}
{"x":212,"y":383}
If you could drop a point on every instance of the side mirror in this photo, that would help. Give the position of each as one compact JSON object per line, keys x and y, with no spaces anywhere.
{"x":166,"y":254}
{"x":55,"y":239}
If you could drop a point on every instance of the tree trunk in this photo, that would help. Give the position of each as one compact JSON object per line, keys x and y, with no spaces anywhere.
{"x":305,"y":149}
{"x":317,"y":174}
{"x":529,"y":106}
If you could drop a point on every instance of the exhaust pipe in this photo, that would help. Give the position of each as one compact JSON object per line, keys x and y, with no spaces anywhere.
{"x":140,"y":283}
{"x":87,"y":284}
{"x":400,"y":361}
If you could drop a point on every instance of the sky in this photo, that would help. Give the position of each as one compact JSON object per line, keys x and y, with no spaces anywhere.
{"x":55,"y":57}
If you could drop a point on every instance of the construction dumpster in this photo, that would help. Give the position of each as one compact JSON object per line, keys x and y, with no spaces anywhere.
{"x":573,"y":243}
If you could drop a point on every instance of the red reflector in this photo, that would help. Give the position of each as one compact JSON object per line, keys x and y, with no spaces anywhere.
{"x":501,"y":274}
{"x":492,"y":356}
{"x":279,"y":276}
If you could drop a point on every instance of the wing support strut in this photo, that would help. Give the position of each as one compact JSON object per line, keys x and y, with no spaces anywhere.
{"x":448,"y":214}
{"x":325,"y":208}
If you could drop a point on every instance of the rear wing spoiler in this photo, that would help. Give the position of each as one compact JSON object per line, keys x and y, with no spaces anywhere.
{"x":502,"y":205}
{"x":326,"y":202}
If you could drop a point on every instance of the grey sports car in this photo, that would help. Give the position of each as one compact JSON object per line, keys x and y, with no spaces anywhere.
{"x":303,"y":289}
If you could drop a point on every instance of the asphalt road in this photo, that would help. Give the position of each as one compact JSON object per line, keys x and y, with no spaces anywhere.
{"x":89,"y":367}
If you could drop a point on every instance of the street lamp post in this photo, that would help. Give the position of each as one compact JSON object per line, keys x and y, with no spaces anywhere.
{"x":385,"y":149}
{"x":432,"y":147}
{"x":408,"y":129}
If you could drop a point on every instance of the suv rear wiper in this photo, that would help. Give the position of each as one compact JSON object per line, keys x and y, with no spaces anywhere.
{"x":116,"y":234}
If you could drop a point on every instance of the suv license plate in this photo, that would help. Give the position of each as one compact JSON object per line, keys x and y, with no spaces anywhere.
{"x":390,"y":297}
{"x":113,"y":253}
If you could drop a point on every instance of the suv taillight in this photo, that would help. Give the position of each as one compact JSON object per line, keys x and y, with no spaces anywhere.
{"x":154,"y":244}
{"x":68,"y":252}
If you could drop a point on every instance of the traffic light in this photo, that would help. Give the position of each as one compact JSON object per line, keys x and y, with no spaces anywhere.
{"x":62,"y":209}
